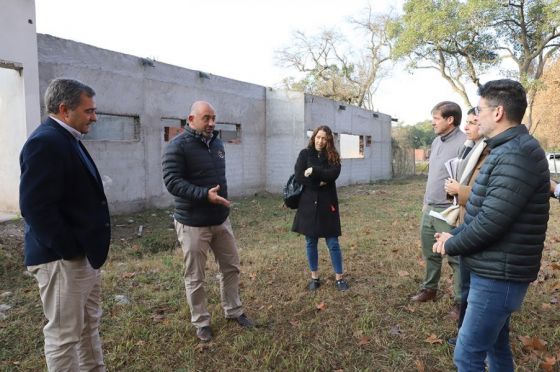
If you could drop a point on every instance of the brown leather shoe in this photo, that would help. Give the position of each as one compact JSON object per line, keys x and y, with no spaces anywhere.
{"x":425,"y":295}
{"x":455,"y":312}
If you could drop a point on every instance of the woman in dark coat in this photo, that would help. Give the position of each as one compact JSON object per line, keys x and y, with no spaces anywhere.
{"x":317,"y":216}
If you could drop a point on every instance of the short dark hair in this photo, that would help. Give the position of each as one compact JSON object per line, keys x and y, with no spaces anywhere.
{"x":447,"y":109}
{"x":67,"y":91}
{"x":472,"y":111}
{"x":507,"y":93}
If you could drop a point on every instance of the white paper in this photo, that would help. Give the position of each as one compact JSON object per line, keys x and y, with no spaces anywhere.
{"x":437,"y":215}
{"x":452,"y":166}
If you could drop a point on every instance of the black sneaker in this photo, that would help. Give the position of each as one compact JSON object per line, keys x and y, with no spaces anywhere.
{"x":243,"y":321}
{"x":341,"y":285}
{"x":314,"y":284}
{"x":204,"y":333}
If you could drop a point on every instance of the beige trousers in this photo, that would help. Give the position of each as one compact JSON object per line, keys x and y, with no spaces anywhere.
{"x":71,"y":295}
{"x":196,"y":242}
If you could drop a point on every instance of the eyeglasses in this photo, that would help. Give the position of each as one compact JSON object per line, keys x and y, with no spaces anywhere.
{"x":478,"y":109}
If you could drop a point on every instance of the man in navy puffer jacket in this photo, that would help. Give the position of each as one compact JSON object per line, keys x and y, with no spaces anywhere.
{"x":502,"y":239}
{"x":194,"y":172}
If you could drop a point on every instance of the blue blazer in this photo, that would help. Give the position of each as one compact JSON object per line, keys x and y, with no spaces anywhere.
{"x":62,"y":201}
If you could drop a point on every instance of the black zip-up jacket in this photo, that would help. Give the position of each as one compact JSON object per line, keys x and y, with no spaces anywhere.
{"x":191,"y":166}
{"x":507,"y":211}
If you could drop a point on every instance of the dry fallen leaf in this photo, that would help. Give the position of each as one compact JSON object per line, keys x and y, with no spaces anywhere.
{"x":533,"y":343}
{"x":128,"y":275}
{"x":420,"y":366}
{"x":202,"y":346}
{"x":546,"y":306}
{"x":364,"y":340}
{"x":403,"y":273}
{"x":548,"y":363}
{"x":295,"y":323}
{"x":321,"y":306}
{"x":433,"y":339}
{"x":555,"y":266}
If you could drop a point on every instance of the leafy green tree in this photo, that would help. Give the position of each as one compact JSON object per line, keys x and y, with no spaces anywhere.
{"x":464,"y":39}
{"x":528,"y":32}
{"x":415,"y":136}
{"x":448,"y":36}
{"x":421,"y":135}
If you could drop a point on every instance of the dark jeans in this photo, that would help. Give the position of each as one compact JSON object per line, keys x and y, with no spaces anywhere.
{"x":465,"y":286}
{"x":485,"y":329}
{"x":313,"y":255}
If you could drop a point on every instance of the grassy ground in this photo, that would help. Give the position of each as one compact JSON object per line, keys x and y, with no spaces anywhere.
{"x":371,"y":327}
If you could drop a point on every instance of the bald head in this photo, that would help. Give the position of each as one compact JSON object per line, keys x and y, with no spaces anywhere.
{"x":202,"y":118}
{"x":197,"y":106}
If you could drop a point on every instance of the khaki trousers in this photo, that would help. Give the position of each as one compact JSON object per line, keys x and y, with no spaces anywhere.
{"x":196,"y":242}
{"x":71,"y":296}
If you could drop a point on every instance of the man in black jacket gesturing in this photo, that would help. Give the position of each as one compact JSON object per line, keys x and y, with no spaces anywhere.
{"x":502,"y":239}
{"x":194,"y":172}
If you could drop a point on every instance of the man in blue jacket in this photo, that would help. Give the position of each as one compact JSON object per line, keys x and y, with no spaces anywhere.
{"x":194,"y":172}
{"x":67,"y":227}
{"x":502,"y":239}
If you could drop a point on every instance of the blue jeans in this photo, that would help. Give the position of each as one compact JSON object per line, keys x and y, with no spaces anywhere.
{"x":485,"y":329}
{"x":313,"y":255}
{"x":465,"y":286}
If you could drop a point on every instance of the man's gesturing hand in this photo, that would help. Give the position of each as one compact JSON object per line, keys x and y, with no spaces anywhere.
{"x":214,"y":198}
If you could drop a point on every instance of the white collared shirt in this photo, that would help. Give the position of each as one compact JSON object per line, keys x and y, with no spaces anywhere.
{"x":76,"y":134}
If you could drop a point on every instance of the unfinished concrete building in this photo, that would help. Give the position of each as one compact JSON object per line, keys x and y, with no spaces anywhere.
{"x":143,"y":103}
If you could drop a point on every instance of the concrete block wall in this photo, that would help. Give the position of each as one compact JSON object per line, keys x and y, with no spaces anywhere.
{"x":19,"y":93}
{"x":285,"y":135}
{"x":347,"y":119}
{"x":125,"y":86}
{"x":273,"y":123}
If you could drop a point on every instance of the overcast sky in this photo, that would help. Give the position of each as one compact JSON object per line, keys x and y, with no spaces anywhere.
{"x":231,"y":38}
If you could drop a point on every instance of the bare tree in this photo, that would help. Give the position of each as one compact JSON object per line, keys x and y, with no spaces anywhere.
{"x":333,"y":68}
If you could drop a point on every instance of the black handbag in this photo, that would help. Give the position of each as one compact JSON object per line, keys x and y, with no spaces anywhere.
{"x":292,"y":192}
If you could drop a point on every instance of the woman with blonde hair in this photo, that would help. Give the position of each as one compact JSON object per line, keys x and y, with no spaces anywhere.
{"x":317,"y":168}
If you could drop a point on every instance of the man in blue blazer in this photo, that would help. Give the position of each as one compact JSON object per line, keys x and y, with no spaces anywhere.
{"x":67,"y":227}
